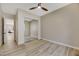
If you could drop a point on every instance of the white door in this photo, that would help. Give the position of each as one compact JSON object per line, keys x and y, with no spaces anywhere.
{"x":34,"y":28}
{"x":27,"y":31}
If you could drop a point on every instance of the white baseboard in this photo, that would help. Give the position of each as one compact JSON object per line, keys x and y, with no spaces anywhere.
{"x":61,"y":43}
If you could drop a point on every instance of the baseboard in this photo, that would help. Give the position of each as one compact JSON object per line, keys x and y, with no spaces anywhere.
{"x":29,"y":38}
{"x":61,"y":44}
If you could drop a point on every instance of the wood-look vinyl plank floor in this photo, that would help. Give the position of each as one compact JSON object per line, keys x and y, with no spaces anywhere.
{"x":38,"y":48}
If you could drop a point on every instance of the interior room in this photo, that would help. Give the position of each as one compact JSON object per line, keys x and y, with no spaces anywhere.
{"x":39,"y":29}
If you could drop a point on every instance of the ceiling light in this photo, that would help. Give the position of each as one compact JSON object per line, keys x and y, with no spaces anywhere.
{"x":39,"y":6}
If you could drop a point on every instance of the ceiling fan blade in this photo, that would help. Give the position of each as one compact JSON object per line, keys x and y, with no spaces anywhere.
{"x":39,"y":4}
{"x":44,"y":8}
{"x":32,"y":8}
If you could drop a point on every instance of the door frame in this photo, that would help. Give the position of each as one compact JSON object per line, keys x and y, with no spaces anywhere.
{"x":3,"y":31}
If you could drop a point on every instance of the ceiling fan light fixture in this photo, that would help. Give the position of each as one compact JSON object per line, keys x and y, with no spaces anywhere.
{"x":39,"y":6}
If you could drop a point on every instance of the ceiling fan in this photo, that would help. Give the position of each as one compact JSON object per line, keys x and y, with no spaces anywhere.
{"x":39,"y":6}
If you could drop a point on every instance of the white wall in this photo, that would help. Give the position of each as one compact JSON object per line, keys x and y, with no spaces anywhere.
{"x":62,"y":26}
{"x":20,"y":17}
{"x":6,"y":15}
{"x":19,"y":27}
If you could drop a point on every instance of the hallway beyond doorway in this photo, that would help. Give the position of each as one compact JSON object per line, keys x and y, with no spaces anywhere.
{"x":8,"y":31}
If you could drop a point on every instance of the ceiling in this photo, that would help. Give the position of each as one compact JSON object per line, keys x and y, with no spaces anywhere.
{"x":11,"y":8}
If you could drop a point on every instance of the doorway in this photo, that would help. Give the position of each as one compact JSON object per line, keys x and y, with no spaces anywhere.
{"x":8,"y":32}
{"x":31,"y":30}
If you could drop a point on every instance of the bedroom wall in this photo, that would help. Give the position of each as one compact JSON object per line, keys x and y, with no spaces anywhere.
{"x":19,"y":27}
{"x":62,"y":26}
{"x":20,"y":18}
